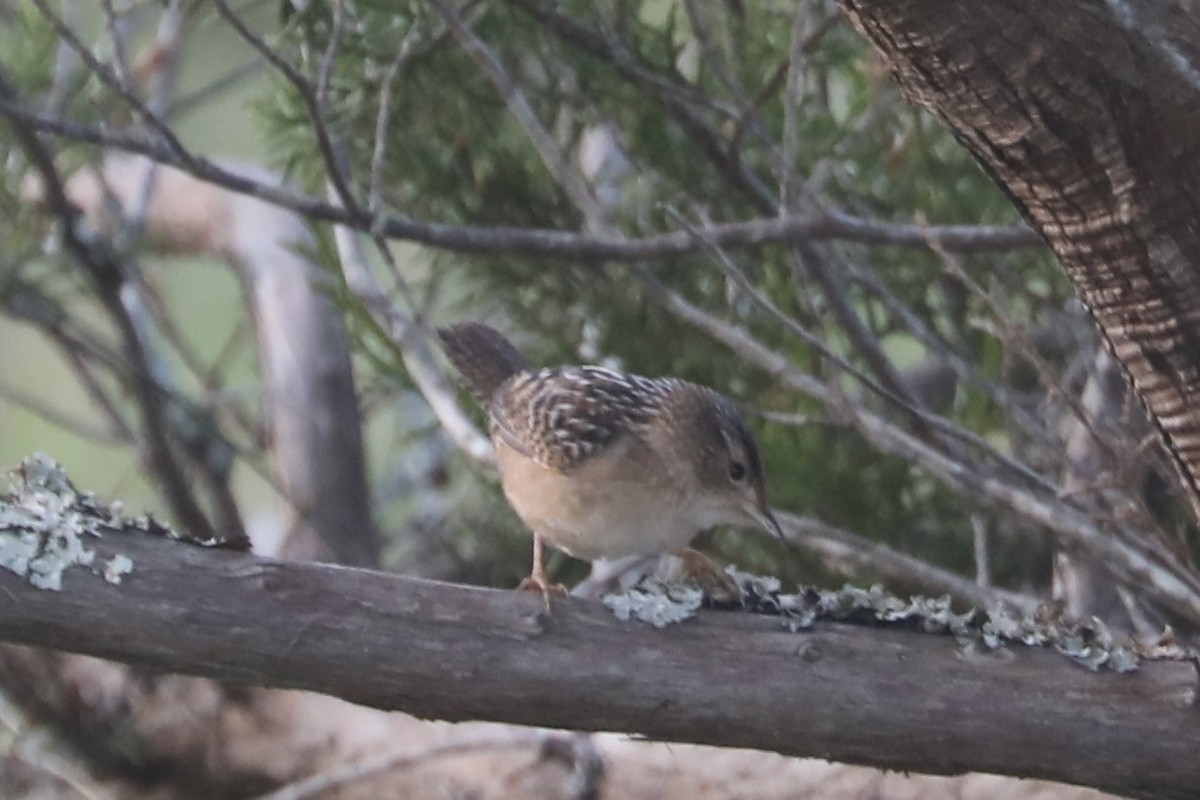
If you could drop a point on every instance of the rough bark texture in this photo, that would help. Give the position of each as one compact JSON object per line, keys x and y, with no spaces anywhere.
{"x":233,"y":744}
{"x":887,"y":698}
{"x":1088,"y":112}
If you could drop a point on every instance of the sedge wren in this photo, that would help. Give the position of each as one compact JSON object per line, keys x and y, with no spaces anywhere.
{"x":604,"y":464}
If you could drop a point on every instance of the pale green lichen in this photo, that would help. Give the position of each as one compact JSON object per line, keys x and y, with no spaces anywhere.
{"x":60,"y":549}
{"x":45,"y":524}
{"x":17,"y":548}
{"x":1086,"y":642}
{"x":657,"y":603}
{"x":116,"y":567}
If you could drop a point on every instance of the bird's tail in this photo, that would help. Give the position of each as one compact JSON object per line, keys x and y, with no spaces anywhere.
{"x":482,"y":356}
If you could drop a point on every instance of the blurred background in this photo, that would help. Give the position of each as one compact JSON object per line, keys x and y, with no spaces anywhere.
{"x":874,"y":301}
{"x":200,"y":289}
{"x":733,"y":193}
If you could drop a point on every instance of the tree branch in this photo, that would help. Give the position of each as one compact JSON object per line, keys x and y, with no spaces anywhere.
{"x":890,"y":698}
{"x":545,"y":242}
{"x":1091,"y":128}
{"x":1171,"y":582}
{"x":106,"y":272}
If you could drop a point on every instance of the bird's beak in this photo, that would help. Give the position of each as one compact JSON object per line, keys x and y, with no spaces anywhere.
{"x":763,"y":517}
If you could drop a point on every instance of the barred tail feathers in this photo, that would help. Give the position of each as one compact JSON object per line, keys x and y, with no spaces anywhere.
{"x":483,"y":357}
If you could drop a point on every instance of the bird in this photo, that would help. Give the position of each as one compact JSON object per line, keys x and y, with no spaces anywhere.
{"x":602,"y":464}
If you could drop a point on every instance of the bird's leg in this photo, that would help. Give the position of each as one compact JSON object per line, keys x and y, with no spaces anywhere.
{"x":538,"y":580}
{"x":711,"y":579}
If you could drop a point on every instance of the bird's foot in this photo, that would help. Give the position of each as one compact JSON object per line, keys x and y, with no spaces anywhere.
{"x":712,"y":580}
{"x":541,"y":583}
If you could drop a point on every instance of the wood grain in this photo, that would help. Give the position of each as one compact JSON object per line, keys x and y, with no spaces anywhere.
{"x":880,"y":697}
{"x":1088,"y":114}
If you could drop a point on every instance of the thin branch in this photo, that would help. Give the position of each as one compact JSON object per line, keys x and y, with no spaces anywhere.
{"x":166,"y":136}
{"x":406,"y":758}
{"x":857,"y":555}
{"x":789,"y":179}
{"x":163,"y":82}
{"x":312,"y":105}
{"x":556,"y":163}
{"x":82,"y":369}
{"x":981,"y":551}
{"x":325,"y":67}
{"x":927,"y":421}
{"x":412,"y":341}
{"x":198,"y":99}
{"x":105,"y":272}
{"x":66,"y":66}
{"x":1173,"y":584}
{"x":545,"y":242}
{"x":64,"y":420}
{"x":118,"y":30}
{"x":383,"y":119}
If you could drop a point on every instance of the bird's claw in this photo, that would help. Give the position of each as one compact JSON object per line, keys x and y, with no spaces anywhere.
{"x":720,"y":588}
{"x":541,"y":583}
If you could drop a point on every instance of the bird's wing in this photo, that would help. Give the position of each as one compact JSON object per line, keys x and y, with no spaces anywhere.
{"x":563,"y":416}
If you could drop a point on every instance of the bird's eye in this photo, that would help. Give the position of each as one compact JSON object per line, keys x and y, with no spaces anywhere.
{"x":737,"y":471}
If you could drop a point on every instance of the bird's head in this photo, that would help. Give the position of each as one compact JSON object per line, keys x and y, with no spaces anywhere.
{"x":730,"y":472}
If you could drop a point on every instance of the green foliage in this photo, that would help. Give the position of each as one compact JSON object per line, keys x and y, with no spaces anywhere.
{"x":34,"y":288}
{"x":700,"y":113}
{"x":28,"y":42}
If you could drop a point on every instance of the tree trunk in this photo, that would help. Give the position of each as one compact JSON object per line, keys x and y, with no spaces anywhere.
{"x":1088,"y":113}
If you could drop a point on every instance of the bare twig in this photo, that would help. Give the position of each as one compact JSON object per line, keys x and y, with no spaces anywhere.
{"x":169,"y":141}
{"x":789,"y":180}
{"x":413,"y":345}
{"x":556,"y":163}
{"x":118,"y":30}
{"x":549,"y":243}
{"x":383,"y":119}
{"x":81,"y":427}
{"x":307,"y":93}
{"x":1174,"y":584}
{"x":325,"y":67}
{"x":40,"y":746}
{"x":66,"y":66}
{"x":106,"y":274}
{"x":406,"y":758}
{"x":981,"y":551}
{"x":851,"y":553}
